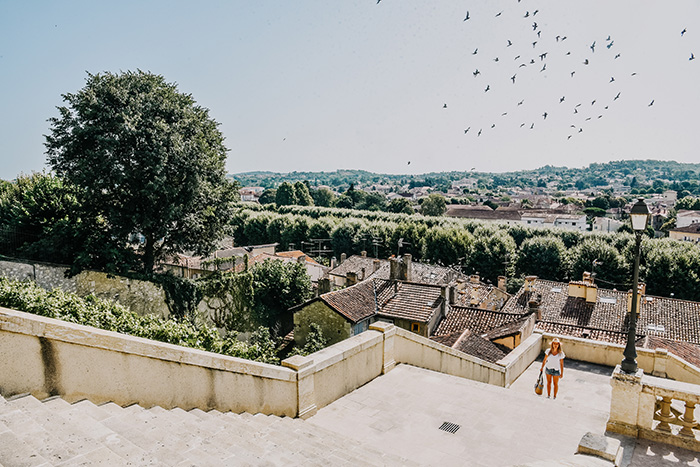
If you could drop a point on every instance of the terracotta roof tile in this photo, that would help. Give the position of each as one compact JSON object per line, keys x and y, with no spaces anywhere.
{"x":415,"y":302}
{"x":659,"y":316}
{"x":477,"y":320}
{"x":355,"y":264}
{"x":688,"y":352}
{"x":475,"y":345}
{"x":358,"y":301}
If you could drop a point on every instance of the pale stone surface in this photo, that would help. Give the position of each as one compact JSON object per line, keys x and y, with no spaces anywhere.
{"x":624,"y":405}
{"x":599,"y":445}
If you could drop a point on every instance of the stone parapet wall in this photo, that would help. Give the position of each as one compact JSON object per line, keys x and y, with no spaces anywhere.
{"x":654,"y":362}
{"x":47,"y":357}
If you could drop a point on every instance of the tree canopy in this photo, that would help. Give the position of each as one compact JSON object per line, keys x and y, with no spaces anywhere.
{"x":147,"y":162}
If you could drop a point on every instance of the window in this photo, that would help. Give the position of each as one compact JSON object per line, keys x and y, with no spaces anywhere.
{"x":415,"y":327}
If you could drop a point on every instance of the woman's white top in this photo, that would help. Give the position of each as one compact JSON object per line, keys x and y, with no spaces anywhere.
{"x":553,"y":360}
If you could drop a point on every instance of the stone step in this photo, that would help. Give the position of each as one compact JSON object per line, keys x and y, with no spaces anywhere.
{"x":577,"y":460}
{"x":14,"y":452}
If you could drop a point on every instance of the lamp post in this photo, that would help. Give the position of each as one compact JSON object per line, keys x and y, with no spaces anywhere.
{"x":640,"y":216}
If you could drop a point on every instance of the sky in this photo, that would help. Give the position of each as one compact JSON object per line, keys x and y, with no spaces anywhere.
{"x":388,"y":87}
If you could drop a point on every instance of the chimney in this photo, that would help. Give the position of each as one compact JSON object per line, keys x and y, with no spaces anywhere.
{"x":393,"y":269}
{"x":362,"y":277}
{"x":343,"y":256}
{"x":407,"y":261}
{"x":363,"y":253}
{"x":640,"y":291}
{"x":324,"y":286}
{"x":376,"y":265}
{"x":502,"y":282}
{"x":474,"y":278}
{"x":350,"y":278}
{"x":333,"y":261}
{"x":534,"y":307}
{"x":452,"y":293}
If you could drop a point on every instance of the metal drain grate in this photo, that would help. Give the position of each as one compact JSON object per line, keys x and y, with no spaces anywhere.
{"x":450,"y":427}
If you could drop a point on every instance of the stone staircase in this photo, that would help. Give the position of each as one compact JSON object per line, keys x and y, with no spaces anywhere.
{"x":53,"y":432}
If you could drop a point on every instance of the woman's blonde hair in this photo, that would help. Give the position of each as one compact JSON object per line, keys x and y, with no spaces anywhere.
{"x":551,"y":345}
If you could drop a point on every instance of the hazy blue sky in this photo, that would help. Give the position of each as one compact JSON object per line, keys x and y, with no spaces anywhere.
{"x":323,"y":85}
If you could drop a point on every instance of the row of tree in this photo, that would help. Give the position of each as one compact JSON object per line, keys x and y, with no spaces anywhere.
{"x":668,"y":266}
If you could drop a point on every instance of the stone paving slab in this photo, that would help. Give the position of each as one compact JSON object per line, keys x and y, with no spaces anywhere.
{"x":498,"y":426}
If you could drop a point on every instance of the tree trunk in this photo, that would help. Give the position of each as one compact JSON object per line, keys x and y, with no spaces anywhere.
{"x":149,"y":254}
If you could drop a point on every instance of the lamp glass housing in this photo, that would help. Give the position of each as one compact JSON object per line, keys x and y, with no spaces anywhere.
{"x":639,"y":215}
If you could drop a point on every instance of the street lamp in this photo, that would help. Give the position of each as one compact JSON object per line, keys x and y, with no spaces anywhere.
{"x":640,"y":217}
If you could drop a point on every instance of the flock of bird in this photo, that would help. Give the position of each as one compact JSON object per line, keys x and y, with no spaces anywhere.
{"x":528,"y":57}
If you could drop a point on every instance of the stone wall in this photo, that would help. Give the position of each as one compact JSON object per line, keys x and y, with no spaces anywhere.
{"x":142,"y":297}
{"x":334,"y":327}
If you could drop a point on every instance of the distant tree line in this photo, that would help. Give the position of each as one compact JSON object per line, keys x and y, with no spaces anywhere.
{"x":668,"y":266}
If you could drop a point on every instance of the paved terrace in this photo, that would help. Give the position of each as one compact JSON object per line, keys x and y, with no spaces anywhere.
{"x":391,"y":421}
{"x":400,"y":413}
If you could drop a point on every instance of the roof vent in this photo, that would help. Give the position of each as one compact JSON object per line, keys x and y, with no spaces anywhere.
{"x":450,"y":427}
{"x":556,"y":289}
{"x":609,"y":300}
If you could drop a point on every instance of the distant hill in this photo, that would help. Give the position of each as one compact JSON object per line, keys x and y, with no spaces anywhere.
{"x":640,"y":172}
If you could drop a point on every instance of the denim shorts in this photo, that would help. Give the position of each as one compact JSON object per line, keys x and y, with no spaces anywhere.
{"x":553,"y":372}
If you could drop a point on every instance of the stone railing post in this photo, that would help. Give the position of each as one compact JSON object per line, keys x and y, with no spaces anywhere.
{"x":688,"y":421}
{"x":624,"y":403}
{"x":306,"y":395}
{"x":660,"y":360}
{"x":389,"y":331}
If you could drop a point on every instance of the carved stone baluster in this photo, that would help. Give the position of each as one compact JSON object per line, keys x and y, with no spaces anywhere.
{"x":688,"y":420}
{"x":664,"y":415}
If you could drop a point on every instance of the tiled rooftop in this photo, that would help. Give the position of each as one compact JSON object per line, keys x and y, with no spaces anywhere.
{"x":667,"y":318}
{"x":415,"y":302}
{"x":477,"y":320}
{"x":423,"y":273}
{"x":358,"y":301}
{"x":355,"y":264}
{"x":473,"y":344}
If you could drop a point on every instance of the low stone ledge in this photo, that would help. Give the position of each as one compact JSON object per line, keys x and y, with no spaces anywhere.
{"x":41,"y":327}
{"x":600,"y":446}
{"x":669,"y":388}
{"x":424,"y":341}
{"x":342,"y":350}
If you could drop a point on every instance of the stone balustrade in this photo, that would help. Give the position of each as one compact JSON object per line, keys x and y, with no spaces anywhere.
{"x":653,"y":408}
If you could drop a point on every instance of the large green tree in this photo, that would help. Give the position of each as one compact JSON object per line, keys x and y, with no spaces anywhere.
{"x":148,"y":162}
{"x":433,"y":205}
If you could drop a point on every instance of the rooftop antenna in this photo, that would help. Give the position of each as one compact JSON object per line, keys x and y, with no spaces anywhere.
{"x":401,"y":243}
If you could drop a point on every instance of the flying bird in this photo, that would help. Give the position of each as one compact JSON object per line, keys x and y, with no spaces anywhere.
{"x":466,"y":131}
{"x":585,"y":62}
{"x":544,"y":115}
{"x":608,"y":38}
{"x":527,"y":14}
{"x":534,"y":26}
{"x":509,"y":43}
{"x":580,"y":130}
{"x":499,"y":14}
{"x":476,"y":72}
{"x":516,"y":58}
{"x":561,"y":99}
{"x":479,"y":133}
{"x":573,"y":73}
{"x":504,"y":114}
{"x":522,"y":124}
{"x":475,"y":51}
{"x":532,"y":126}
{"x":495,"y":59}
{"x":568,"y":137}
{"x":543,"y":56}
{"x":593,"y":102}
{"x":543,"y":67}
{"x":493,"y":125}
{"x":538,"y":33}
{"x":513,"y":78}
{"x":616,"y":97}
{"x":617,"y":56}
{"x":610,"y":44}
{"x":557,"y":38}
{"x":444,"y":106}
{"x":409,"y":162}
{"x":488,"y":86}
{"x":466,"y":17}
{"x":651,"y":103}
{"x":534,"y":44}
{"x":612,"y":78}
{"x":535,"y":12}
{"x":692,"y":56}
{"x":593,"y":46}
{"x":521,"y":102}
{"x":683,"y":32}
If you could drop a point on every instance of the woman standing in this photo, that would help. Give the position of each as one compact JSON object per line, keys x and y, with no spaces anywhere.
{"x":554,"y":364}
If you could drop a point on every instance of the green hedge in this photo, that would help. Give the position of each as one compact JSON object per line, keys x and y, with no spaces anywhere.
{"x":110,"y":316}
